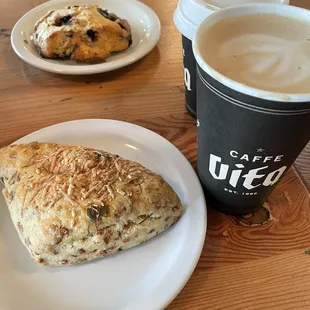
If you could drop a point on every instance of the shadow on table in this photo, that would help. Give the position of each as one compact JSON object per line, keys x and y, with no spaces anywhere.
{"x":146,"y":66}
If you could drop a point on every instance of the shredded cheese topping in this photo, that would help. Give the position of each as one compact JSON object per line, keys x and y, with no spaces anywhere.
{"x":76,"y":174}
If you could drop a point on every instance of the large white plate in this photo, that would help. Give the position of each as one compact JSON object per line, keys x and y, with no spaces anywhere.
{"x":147,"y":277}
{"x":145,"y":29}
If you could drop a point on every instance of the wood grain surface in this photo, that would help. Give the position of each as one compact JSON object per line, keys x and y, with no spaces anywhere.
{"x":262,"y":267}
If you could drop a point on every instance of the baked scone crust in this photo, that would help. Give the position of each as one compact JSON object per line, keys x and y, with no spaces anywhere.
{"x":83,"y":33}
{"x":72,"y":204}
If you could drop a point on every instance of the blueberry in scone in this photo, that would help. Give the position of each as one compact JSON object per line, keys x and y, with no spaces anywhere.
{"x":83,"y":33}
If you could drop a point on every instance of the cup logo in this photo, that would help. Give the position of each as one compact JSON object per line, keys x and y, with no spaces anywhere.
{"x":238,"y":176}
{"x":187,"y":79}
{"x":187,"y":76}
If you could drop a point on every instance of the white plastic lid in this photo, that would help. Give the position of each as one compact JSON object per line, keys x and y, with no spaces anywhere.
{"x":191,"y":13}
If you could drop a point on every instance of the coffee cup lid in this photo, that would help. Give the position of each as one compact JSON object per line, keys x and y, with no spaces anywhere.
{"x":191,"y":13}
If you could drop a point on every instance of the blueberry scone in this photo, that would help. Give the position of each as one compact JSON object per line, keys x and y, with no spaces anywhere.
{"x":83,"y":33}
{"x":72,"y":204}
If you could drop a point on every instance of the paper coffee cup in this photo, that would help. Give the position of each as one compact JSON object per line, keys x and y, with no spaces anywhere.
{"x":247,"y":138}
{"x":187,"y":17}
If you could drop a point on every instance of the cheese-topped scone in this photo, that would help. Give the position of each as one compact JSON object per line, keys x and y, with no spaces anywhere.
{"x":72,"y":204}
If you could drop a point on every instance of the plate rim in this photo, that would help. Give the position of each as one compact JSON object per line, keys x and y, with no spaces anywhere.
{"x":59,"y":68}
{"x":162,"y":302}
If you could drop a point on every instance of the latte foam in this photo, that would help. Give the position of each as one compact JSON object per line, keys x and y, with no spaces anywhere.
{"x":265,"y":51}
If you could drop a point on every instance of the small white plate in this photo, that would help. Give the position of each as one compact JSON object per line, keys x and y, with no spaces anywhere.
{"x":145,"y":30}
{"x":147,"y":277}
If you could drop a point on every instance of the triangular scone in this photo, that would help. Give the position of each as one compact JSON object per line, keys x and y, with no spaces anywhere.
{"x":72,"y":204}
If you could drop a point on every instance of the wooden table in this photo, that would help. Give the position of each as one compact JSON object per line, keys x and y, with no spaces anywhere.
{"x":266,"y":267}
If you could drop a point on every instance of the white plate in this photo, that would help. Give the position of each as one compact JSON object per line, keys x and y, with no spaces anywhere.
{"x":145,"y":29}
{"x":147,"y":277}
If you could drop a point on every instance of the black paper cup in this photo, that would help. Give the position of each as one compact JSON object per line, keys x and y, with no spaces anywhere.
{"x":187,"y":16}
{"x":189,"y":65}
{"x":247,"y":138}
